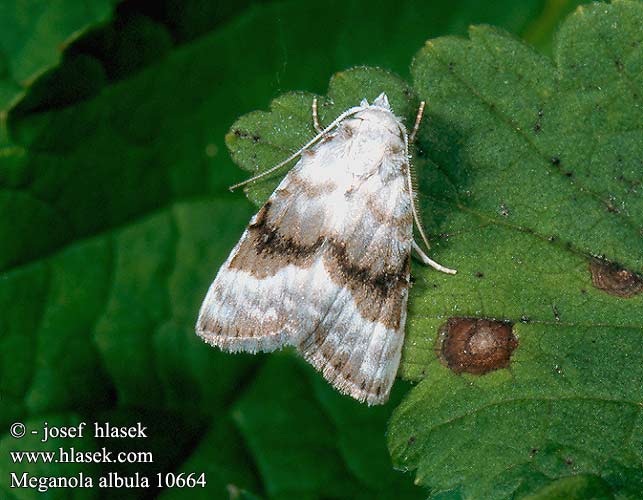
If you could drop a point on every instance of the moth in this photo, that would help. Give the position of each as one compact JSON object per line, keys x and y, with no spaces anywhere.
{"x":324,"y":266}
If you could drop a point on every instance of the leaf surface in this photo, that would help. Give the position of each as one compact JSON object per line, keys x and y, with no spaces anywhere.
{"x":533,"y":169}
{"x":114,"y":218}
{"x":34,"y":34}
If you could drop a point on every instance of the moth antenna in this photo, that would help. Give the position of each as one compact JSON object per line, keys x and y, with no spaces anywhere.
{"x":413,"y":174}
{"x":414,"y":181}
{"x":409,"y":181}
{"x":415,"y":193}
{"x":335,"y":122}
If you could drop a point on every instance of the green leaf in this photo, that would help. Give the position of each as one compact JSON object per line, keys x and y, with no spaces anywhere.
{"x":114,"y":215}
{"x":33,"y":36}
{"x":574,"y":488}
{"x":532,"y":170}
{"x":311,"y":442}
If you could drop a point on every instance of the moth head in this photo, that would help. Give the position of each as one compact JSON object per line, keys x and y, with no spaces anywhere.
{"x":381,"y":101}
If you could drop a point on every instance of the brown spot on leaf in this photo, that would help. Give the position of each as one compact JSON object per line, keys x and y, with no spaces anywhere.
{"x":475,"y":345}
{"x":614,"y":279}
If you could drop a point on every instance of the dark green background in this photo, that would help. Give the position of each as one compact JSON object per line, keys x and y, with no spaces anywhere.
{"x":114,"y":217}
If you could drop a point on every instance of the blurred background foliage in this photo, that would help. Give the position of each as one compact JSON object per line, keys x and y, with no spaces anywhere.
{"x":114,"y":217}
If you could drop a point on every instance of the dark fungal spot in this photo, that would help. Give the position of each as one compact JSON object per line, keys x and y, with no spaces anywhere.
{"x":538,"y":125}
{"x":242,"y":134}
{"x":479,"y":274}
{"x":475,"y":345}
{"x":614,"y":279}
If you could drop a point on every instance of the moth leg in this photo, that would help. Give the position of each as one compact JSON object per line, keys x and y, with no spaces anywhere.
{"x":418,"y":120}
{"x":316,"y":124}
{"x":429,"y":262}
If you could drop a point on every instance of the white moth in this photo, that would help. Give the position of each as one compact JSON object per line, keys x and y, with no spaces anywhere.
{"x":325,"y":264}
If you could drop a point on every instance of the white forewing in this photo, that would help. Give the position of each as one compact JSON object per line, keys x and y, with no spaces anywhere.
{"x":324,"y":265}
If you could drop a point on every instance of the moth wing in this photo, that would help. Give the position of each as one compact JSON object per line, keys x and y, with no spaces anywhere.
{"x":358,"y":343}
{"x":323,"y":271}
{"x":358,"y":357}
{"x":269,"y":292}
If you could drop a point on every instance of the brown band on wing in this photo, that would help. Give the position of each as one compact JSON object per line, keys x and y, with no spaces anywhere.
{"x":266,"y":251}
{"x":400,"y":223}
{"x":299,"y":185}
{"x":243,"y":326}
{"x":378,"y":296}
